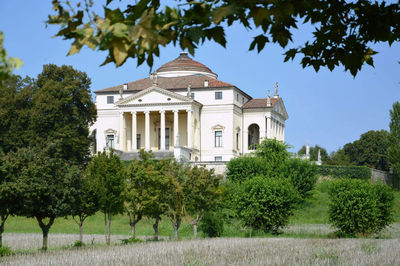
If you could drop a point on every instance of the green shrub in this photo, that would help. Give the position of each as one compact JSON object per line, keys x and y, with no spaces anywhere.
{"x":302,"y":174}
{"x":212,"y":224}
{"x":78,"y":244}
{"x":131,"y":240}
{"x":241,"y":168}
{"x":265,"y":203}
{"x":345,"y":171}
{"x":5,"y":251}
{"x":360,"y":207}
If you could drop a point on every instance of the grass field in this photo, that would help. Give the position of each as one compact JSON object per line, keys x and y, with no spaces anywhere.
{"x":225,"y":251}
{"x":313,"y":211}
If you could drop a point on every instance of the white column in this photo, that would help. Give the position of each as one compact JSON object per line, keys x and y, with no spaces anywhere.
{"x":189,"y":128}
{"x":121,"y":131}
{"x":269,"y":135}
{"x":283,"y":132}
{"x":147,"y":130}
{"x":176,"y":127}
{"x":134,"y":126}
{"x":245,"y":141}
{"x":262,"y":130}
{"x":162,"y":126}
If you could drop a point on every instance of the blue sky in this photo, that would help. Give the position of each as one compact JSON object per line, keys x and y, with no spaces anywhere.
{"x":325,"y":108}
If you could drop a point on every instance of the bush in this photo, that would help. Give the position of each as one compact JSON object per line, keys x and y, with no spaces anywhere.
{"x":131,"y":240}
{"x":5,"y":251}
{"x":241,"y":168}
{"x":360,"y":207}
{"x":265,"y":203}
{"x":344,"y":171}
{"x":212,"y":224}
{"x":302,"y":174}
{"x":78,"y":244}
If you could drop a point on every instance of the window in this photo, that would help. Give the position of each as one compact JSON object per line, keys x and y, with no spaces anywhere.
{"x":218,"y":138}
{"x":110,"y":99}
{"x":237,"y":97}
{"x":138,"y":144}
{"x":243,"y":100}
{"x":192,"y":95}
{"x":218,"y":95}
{"x":110,"y":141}
{"x":218,"y":158}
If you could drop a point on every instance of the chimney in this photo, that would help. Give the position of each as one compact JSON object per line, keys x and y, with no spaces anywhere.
{"x":125,"y":86}
{"x":206,"y":83}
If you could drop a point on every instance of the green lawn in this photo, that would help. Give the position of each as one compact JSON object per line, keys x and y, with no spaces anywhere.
{"x":313,"y":211}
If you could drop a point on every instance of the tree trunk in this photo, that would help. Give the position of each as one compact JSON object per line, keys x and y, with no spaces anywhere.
{"x":81,"y":232}
{"x":155,"y":227}
{"x":133,"y":220}
{"x":109,"y":230}
{"x":45,"y":230}
{"x":132,"y":229}
{"x":194,"y":231}
{"x":3,"y":219}
{"x":1,"y":233}
{"x":195,"y":222}
{"x":105,"y":226}
{"x":251,"y":229}
{"x":176,"y":225}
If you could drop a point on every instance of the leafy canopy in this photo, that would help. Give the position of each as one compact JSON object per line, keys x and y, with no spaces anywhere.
{"x":314,"y":153}
{"x":343,"y":30}
{"x":394,"y":143}
{"x":7,"y":64}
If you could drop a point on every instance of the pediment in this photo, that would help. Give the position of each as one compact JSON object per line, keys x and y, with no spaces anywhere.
{"x":154,"y":95}
{"x":279,"y":107}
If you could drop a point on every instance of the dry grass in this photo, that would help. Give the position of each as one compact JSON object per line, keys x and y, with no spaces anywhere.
{"x":226,"y":251}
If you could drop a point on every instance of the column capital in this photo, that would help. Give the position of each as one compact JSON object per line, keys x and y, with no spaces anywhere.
{"x":146,"y":112}
{"x":189,"y":110}
{"x":175,"y":111}
{"x":121,"y":112}
{"x":162,"y":111}
{"x":133,"y":112}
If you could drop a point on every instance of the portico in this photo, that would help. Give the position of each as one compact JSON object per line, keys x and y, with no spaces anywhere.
{"x":158,"y":120}
{"x":155,"y":129}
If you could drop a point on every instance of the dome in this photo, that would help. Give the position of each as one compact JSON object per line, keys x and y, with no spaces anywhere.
{"x":184,"y":66}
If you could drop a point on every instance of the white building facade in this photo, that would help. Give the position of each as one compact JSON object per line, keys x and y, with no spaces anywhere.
{"x":183,"y":110}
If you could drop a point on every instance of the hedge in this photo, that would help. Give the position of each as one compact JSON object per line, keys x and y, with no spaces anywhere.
{"x":344,"y":171}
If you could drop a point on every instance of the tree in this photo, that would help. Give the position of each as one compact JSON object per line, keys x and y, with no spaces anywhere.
{"x":7,"y":64}
{"x":15,"y":111}
{"x":106,"y":173}
{"x":138,"y":192}
{"x":265,"y":203}
{"x":85,"y":199}
{"x":343,"y":30}
{"x":175,"y":174}
{"x":370,"y":150}
{"x":159,"y":183}
{"x":201,"y":193}
{"x":9,"y":200}
{"x":360,"y":207}
{"x":338,"y":157}
{"x":42,"y":189}
{"x":274,"y":152}
{"x":62,"y":109}
{"x":394,"y":143}
{"x":314,"y":153}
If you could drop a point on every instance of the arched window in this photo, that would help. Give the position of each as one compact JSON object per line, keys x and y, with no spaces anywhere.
{"x":254,"y":136}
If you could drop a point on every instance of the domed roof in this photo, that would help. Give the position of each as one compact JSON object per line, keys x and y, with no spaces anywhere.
{"x":183,"y":65}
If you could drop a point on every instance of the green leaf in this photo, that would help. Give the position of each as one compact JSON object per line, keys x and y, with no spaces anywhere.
{"x":260,"y":41}
{"x":220,"y":13}
{"x":120,"y":52}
